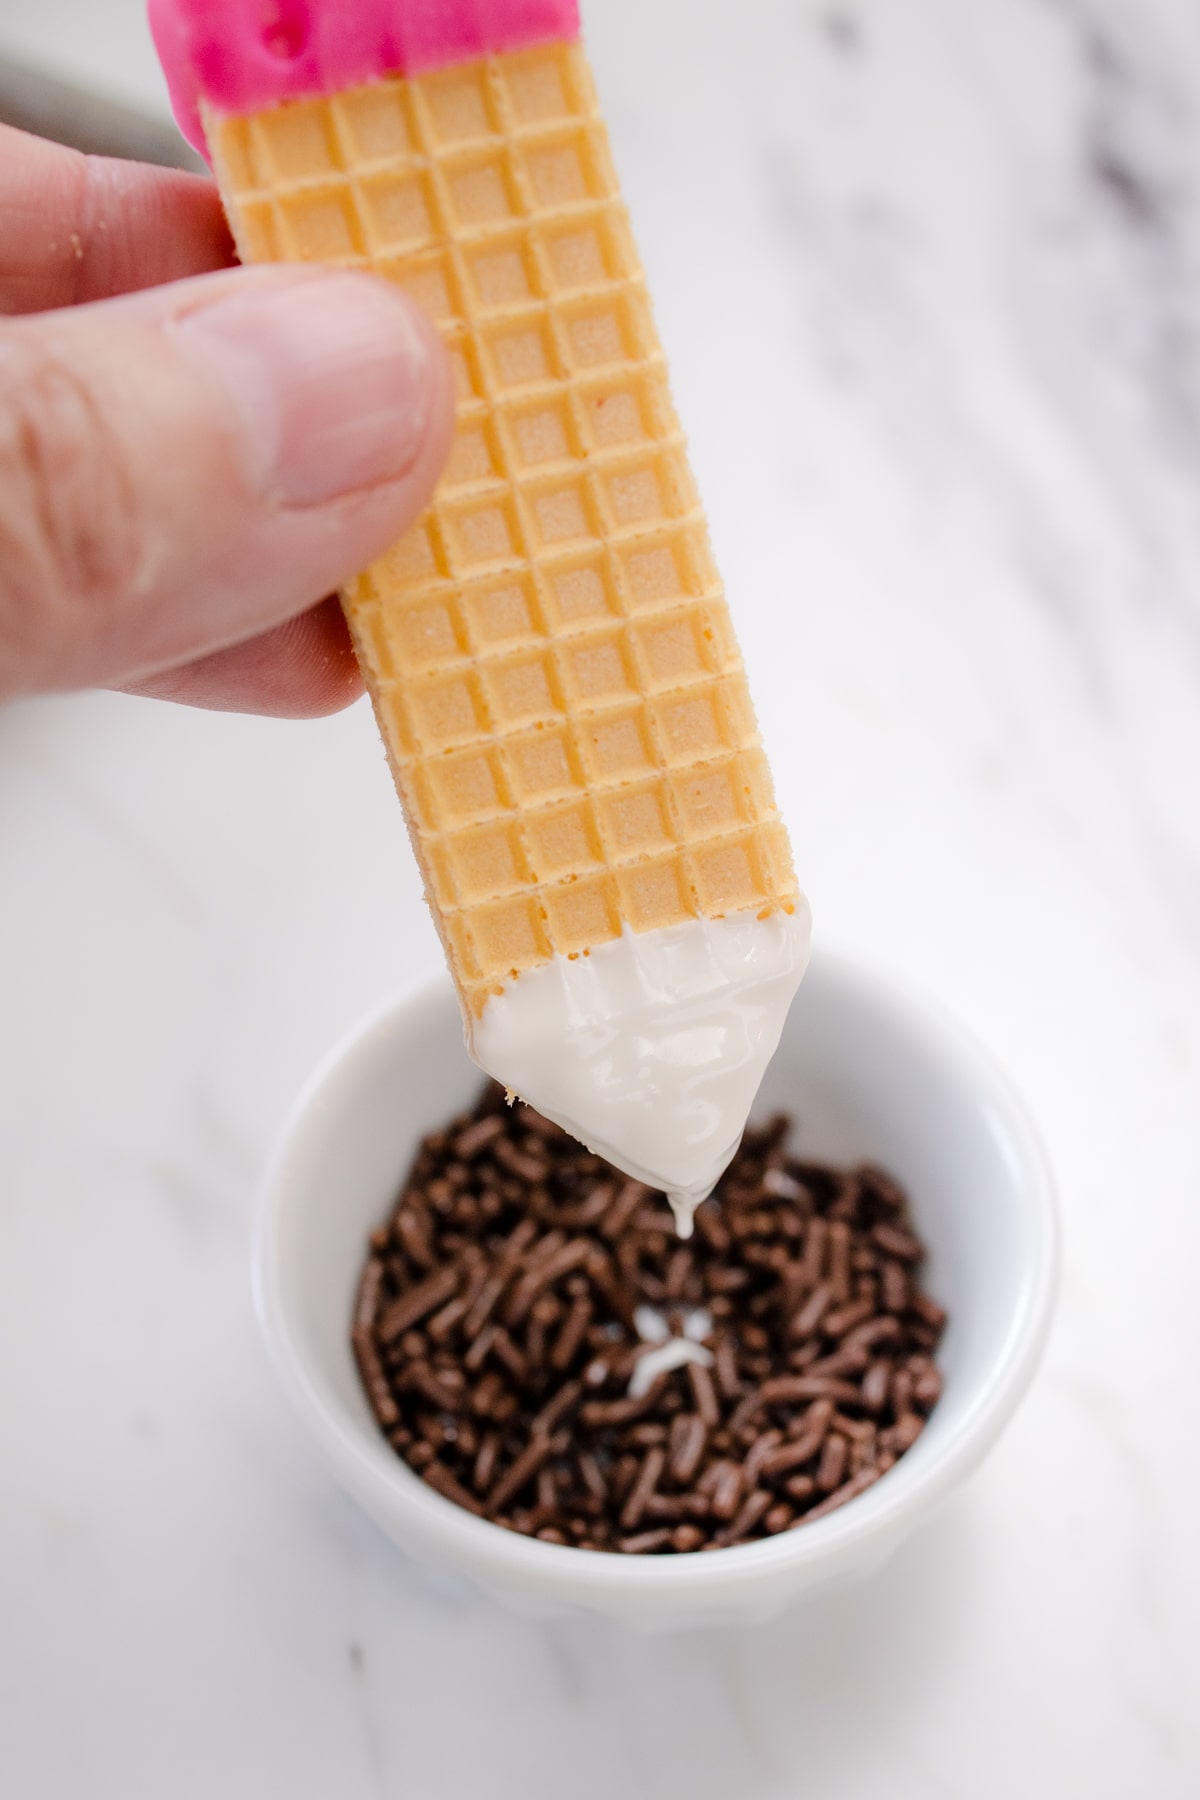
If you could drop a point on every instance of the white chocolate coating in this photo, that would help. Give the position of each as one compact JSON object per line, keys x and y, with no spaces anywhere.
{"x":668,"y":1352}
{"x":651,"y":1048}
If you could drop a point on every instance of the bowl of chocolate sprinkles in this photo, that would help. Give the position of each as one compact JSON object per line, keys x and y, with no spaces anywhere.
{"x":536,"y":1342}
{"x":509,"y":1357}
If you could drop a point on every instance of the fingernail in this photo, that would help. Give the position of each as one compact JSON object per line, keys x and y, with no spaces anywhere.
{"x":331,"y":379}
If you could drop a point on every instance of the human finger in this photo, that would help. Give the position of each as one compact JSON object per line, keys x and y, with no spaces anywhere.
{"x":182,"y":470}
{"x":75,"y":228}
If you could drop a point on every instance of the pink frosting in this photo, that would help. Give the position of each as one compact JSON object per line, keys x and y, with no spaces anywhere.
{"x":243,"y":55}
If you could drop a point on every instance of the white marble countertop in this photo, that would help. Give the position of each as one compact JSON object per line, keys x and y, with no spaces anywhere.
{"x":930,"y":274}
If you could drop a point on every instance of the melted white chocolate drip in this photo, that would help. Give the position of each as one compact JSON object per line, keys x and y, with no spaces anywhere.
{"x":668,"y":1350}
{"x":650,"y":1049}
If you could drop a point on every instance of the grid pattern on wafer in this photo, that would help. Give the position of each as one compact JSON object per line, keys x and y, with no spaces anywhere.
{"x":549,"y":650}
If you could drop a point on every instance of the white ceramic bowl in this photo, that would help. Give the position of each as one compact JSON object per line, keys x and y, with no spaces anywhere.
{"x":867,"y":1072}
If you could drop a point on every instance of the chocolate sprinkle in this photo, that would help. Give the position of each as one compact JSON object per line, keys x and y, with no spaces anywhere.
{"x":495,"y":1330}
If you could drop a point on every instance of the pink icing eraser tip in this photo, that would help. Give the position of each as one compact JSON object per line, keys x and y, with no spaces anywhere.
{"x":244,"y":55}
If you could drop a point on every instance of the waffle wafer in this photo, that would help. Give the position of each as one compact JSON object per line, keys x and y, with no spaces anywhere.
{"x":549,"y":651}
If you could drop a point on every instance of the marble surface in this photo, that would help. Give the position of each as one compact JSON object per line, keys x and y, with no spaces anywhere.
{"x":928,"y":271}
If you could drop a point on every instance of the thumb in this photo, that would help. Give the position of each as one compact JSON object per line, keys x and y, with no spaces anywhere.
{"x":184,"y":469}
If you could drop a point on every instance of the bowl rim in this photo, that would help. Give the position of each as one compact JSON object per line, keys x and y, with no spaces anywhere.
{"x":384,"y":1484}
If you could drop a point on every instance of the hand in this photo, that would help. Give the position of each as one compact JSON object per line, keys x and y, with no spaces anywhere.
{"x":188,"y":471}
